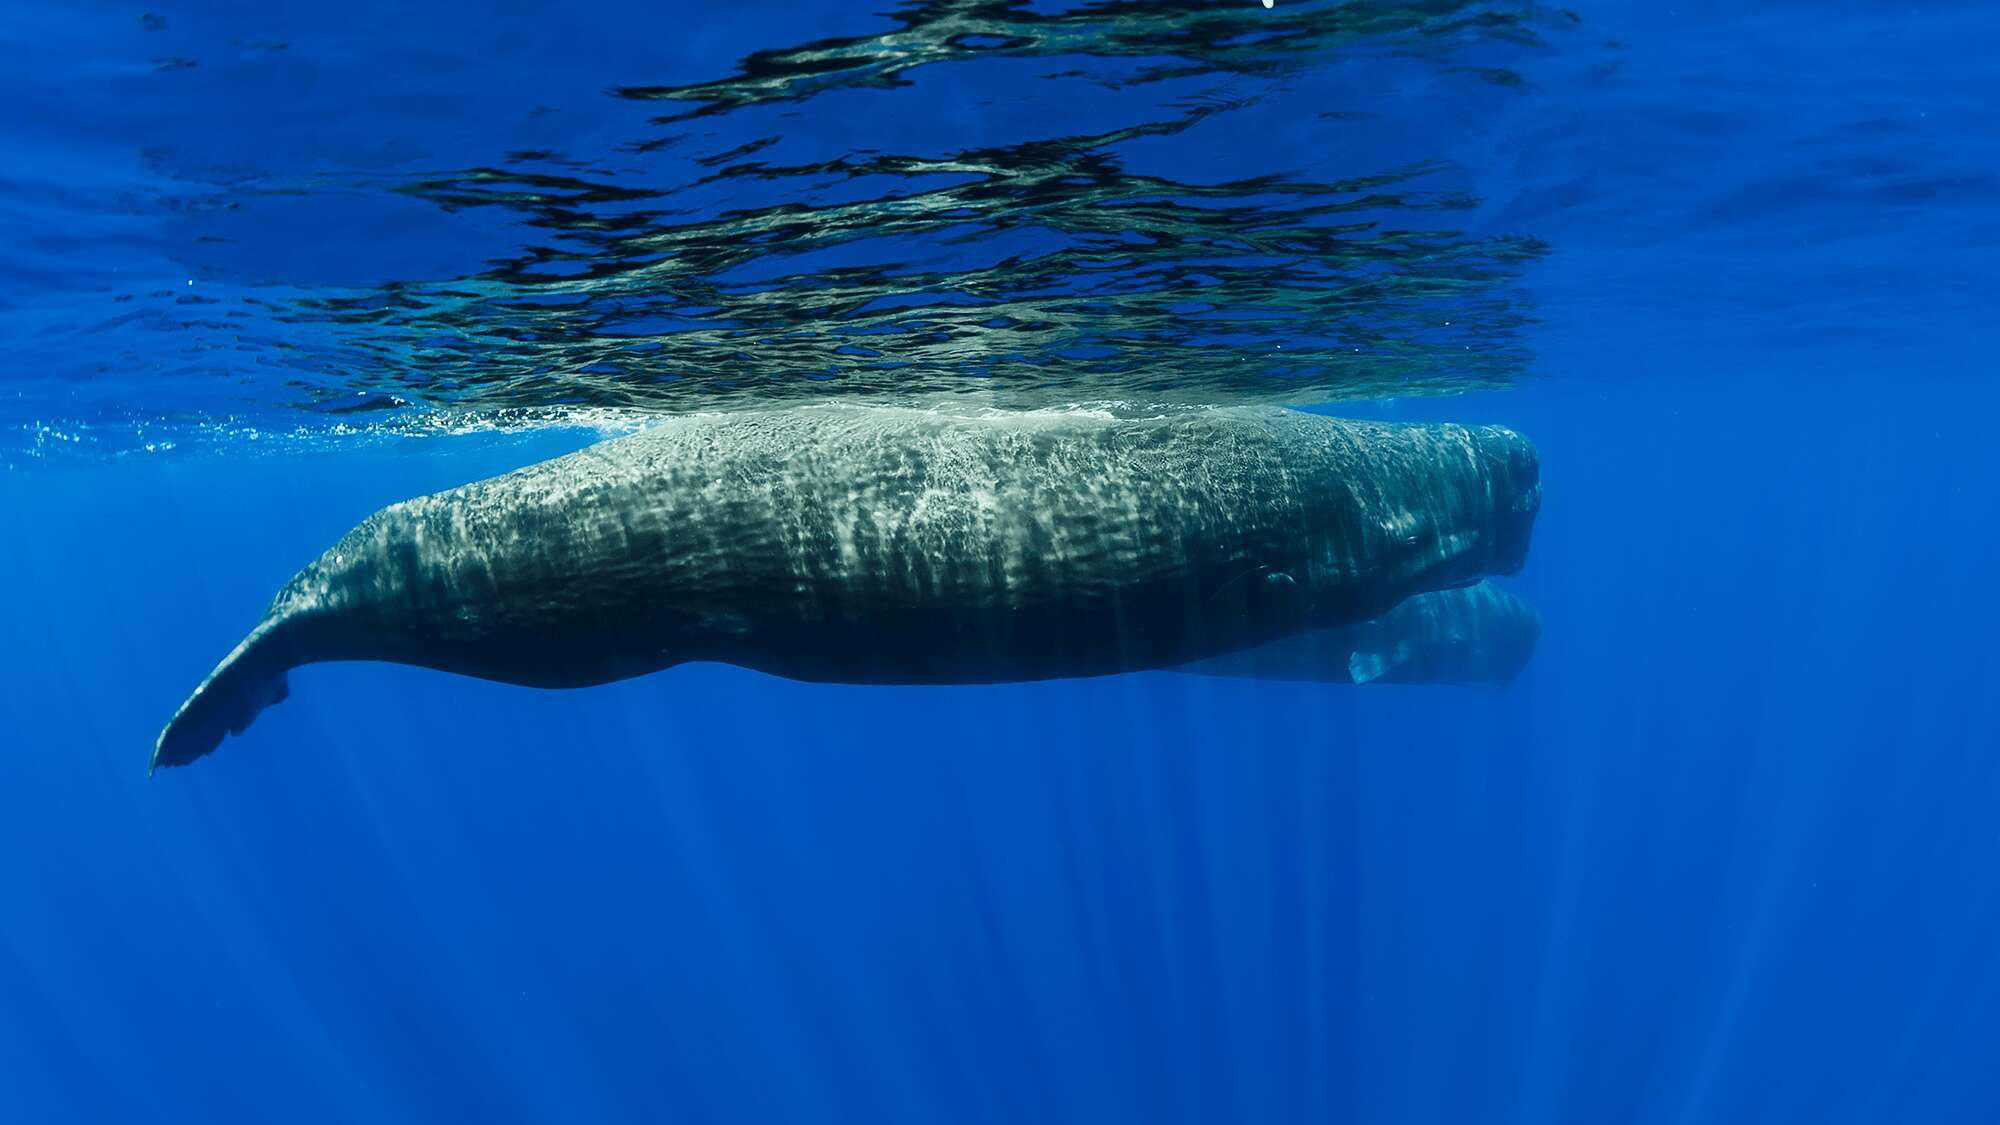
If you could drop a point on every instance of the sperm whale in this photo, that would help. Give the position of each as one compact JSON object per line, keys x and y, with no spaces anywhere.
{"x":889,"y":544}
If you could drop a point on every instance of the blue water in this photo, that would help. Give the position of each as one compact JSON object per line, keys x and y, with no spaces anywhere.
{"x":1724,"y":853}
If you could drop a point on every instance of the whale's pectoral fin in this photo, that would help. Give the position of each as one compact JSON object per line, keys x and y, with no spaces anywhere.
{"x":1366,"y":667}
{"x":246,"y":682}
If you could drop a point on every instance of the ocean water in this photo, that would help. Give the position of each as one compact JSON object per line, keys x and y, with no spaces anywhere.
{"x":1725,"y":852}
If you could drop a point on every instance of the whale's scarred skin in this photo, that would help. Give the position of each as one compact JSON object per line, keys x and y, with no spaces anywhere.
{"x":1472,"y":634}
{"x":872,"y":544}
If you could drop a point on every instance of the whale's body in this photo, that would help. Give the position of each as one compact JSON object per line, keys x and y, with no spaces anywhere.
{"x":894,"y":545}
{"x":1471,"y":634}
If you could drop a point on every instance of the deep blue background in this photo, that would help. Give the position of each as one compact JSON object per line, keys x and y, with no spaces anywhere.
{"x":1727,"y":852}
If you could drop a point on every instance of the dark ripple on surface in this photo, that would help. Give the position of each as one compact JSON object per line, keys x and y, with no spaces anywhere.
{"x":1172,"y":40}
{"x":714,"y":258}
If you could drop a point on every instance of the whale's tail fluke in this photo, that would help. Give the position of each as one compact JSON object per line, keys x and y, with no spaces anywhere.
{"x":248,"y":680}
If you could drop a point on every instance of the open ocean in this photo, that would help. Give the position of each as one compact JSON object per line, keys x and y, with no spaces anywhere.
{"x":1728,"y":850}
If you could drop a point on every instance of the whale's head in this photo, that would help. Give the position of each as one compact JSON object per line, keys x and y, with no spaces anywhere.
{"x":1469,"y":510}
{"x":1513,"y":475}
{"x":1481,"y":634}
{"x":1512,"y":630}
{"x":1471,"y":634}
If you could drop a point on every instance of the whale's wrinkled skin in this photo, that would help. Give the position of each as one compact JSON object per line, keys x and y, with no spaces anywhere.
{"x":869,"y":544}
{"x":1473,"y":634}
